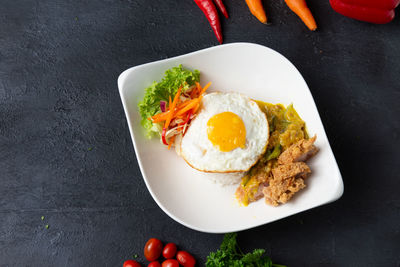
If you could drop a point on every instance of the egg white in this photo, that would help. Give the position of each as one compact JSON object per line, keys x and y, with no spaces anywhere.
{"x":201,"y":154}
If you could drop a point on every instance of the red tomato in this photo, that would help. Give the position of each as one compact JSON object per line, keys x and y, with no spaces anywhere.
{"x":153,"y":249}
{"x":185,"y":259}
{"x":131,"y":263}
{"x":154,"y":264}
{"x":170,"y":263}
{"x":169,"y":251}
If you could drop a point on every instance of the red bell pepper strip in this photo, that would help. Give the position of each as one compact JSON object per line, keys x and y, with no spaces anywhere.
{"x":221,"y":7}
{"x":374,"y":11}
{"x":164,"y":131}
{"x":209,"y":9}
{"x":188,"y":117}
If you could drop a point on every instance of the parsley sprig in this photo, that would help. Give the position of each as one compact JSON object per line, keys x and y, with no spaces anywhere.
{"x":230,"y":255}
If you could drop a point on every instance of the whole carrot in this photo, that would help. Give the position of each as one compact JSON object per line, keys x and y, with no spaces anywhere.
{"x":221,"y":7}
{"x":300,"y":8}
{"x":210,"y":11}
{"x":257,"y":9}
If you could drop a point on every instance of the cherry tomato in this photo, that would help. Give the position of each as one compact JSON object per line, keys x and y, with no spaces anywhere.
{"x":170,"y":263}
{"x":185,"y":259}
{"x":131,"y":263}
{"x":169,"y":251}
{"x":154,"y":264}
{"x":153,"y":249}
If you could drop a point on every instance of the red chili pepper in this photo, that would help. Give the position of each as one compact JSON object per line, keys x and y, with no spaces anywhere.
{"x":211,"y":13}
{"x":221,"y":7}
{"x":164,"y":131}
{"x":374,"y":11}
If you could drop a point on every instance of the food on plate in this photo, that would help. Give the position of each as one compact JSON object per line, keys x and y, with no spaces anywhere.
{"x":280,"y":173}
{"x":169,"y":106}
{"x":301,"y":9}
{"x":229,"y":134}
{"x":230,"y":254}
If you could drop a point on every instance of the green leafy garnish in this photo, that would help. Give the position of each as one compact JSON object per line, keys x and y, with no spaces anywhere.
{"x":42,"y":218}
{"x":161,"y":91}
{"x":47,"y":226}
{"x":230,"y":255}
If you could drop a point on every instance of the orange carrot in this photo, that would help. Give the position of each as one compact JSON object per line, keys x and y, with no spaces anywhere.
{"x":188,"y":107}
{"x":300,"y":8}
{"x":176,"y":109}
{"x":195,"y":108}
{"x":159,"y":115}
{"x":163,"y":116}
{"x":198,"y":87}
{"x":183,"y":104}
{"x":171,"y":140}
{"x":172,"y":108}
{"x":204,"y":88}
{"x":257,"y":9}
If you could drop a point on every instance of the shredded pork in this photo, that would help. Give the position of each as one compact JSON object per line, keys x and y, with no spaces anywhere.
{"x":287,"y":178}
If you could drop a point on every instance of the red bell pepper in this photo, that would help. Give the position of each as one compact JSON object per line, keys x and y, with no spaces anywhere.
{"x":163,"y":137}
{"x":374,"y":11}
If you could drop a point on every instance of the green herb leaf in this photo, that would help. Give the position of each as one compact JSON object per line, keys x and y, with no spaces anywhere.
{"x":230,"y":255}
{"x":42,"y":218}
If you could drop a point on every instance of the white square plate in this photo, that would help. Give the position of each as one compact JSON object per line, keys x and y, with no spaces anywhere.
{"x":183,"y":193}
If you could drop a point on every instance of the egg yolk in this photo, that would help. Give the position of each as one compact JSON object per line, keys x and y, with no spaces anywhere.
{"x":226,"y":131}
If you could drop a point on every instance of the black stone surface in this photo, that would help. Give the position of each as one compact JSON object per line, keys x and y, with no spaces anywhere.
{"x":66,"y":153}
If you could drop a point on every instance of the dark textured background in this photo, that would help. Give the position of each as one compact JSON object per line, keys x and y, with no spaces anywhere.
{"x":66,"y":153}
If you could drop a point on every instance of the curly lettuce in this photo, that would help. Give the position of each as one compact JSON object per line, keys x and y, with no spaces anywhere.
{"x":161,"y":91}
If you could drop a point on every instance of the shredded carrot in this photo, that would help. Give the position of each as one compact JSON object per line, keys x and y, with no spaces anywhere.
{"x":187,"y":102}
{"x":172,"y":108}
{"x":193,"y":93}
{"x":171,"y":140}
{"x":188,"y":107}
{"x":178,"y":109}
{"x":159,"y":115}
{"x":196,"y":107}
{"x":198,"y":86}
{"x":205,"y":88}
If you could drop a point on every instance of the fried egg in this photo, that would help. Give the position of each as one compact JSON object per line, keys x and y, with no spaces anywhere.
{"x":229,"y":134}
